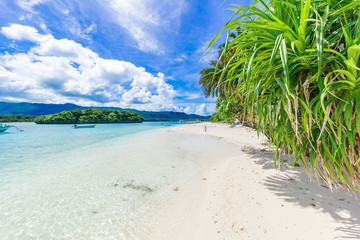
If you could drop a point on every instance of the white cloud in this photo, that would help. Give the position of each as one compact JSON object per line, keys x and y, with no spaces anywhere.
{"x":70,"y":23}
{"x":74,"y":27}
{"x":29,"y":4}
{"x":204,"y":109}
{"x":91,"y":29}
{"x":201,"y":109}
{"x":181,"y":58}
{"x":43,"y":27}
{"x":63,"y":71}
{"x":21,"y":32}
{"x":190,"y":95}
{"x":209,"y":54}
{"x":137,"y":95}
{"x":144,"y":19}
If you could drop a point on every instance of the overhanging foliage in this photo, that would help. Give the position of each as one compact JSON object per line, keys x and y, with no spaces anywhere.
{"x":295,"y":67}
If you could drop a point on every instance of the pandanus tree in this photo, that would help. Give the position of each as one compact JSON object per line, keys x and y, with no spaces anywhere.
{"x":296,"y":70}
{"x":211,"y":77}
{"x":212,"y":83}
{"x":209,"y":80}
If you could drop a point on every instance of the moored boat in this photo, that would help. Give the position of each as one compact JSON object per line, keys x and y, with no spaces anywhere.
{"x":83,"y":126}
{"x":4,"y":128}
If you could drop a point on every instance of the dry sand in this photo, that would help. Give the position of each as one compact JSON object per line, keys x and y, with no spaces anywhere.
{"x":246,"y":198}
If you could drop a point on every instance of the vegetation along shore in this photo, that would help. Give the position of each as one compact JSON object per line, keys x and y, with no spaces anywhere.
{"x":16,"y":118}
{"x":18,"y":110}
{"x":90,"y":116}
{"x":291,"y":68}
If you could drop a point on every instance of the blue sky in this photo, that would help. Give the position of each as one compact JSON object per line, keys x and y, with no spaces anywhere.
{"x":142,"y":54}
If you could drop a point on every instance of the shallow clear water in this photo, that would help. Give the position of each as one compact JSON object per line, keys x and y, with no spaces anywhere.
{"x":46,"y":140}
{"x":110,"y":182}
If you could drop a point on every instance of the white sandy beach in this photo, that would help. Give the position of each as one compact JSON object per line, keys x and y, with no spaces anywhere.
{"x":168,"y":183}
{"x":246,"y":198}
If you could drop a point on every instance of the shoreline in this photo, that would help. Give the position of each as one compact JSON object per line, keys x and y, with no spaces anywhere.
{"x":246,"y":198}
{"x":112,"y":183}
{"x":177,"y":182}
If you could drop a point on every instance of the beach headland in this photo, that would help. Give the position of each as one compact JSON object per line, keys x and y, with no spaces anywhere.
{"x":245,"y":197}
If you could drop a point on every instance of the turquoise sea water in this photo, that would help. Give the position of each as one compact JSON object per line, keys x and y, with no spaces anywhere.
{"x":37,"y":142}
{"x":112,"y":182}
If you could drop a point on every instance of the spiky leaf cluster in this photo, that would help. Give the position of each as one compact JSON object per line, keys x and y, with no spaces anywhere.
{"x":295,"y":67}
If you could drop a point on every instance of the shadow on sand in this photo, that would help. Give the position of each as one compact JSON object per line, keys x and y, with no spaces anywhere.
{"x":294,"y":185}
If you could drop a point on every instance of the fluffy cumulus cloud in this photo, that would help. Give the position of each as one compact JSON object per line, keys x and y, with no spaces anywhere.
{"x":145,"y":19}
{"x":204,"y":109}
{"x":63,"y":71}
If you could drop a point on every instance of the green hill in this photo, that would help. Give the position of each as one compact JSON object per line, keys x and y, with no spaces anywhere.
{"x":90,"y":116}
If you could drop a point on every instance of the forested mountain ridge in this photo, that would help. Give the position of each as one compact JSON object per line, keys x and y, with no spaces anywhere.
{"x":37,"y":109}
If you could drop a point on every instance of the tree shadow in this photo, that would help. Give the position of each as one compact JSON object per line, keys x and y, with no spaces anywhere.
{"x":294,"y":185}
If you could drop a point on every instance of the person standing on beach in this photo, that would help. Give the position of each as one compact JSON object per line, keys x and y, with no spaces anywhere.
{"x":205,"y":128}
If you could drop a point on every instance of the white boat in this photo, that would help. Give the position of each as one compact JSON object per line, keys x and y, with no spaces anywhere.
{"x":83,"y":126}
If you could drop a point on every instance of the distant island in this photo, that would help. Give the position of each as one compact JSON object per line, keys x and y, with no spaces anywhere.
{"x":83,"y":116}
{"x":17,"y":111}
